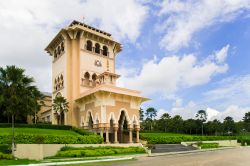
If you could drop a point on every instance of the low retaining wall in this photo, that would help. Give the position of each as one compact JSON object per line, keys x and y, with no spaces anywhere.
{"x":40,"y":151}
{"x":221,"y":143}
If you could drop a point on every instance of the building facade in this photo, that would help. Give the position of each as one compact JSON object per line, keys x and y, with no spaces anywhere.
{"x":83,"y":71}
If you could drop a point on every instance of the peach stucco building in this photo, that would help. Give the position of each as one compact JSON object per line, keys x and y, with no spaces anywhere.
{"x":83,"y":71}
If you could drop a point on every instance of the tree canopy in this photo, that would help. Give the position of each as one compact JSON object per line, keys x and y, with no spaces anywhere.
{"x":18,"y":95}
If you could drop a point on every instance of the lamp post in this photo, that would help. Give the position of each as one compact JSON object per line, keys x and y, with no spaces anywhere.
{"x":13,"y":141}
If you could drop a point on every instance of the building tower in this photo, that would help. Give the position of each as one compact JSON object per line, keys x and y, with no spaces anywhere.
{"x":83,"y":71}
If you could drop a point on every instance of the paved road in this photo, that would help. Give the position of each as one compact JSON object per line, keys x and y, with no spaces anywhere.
{"x":229,"y":157}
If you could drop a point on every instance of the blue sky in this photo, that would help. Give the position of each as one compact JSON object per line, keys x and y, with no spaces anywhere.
{"x":184,"y":55}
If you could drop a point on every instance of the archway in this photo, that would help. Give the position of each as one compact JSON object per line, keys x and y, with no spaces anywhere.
{"x":122,"y":128}
{"x":90,"y":122}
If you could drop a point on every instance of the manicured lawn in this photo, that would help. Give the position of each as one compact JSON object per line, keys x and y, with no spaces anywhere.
{"x":37,"y":131}
{"x":18,"y":162}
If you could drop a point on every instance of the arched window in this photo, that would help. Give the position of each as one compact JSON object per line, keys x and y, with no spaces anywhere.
{"x":94,"y":77}
{"x":97,"y":48}
{"x":86,"y":78}
{"x":89,"y":45}
{"x":59,"y":50}
{"x":55,"y":54}
{"x":62,"y":46}
{"x":105,"y":50}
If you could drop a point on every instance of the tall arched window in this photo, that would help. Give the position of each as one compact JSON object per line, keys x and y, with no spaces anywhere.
{"x":97,"y":48}
{"x":59,"y":50}
{"x":86,"y":78}
{"x":62,"y":46}
{"x":105,"y":51}
{"x":55,"y":54}
{"x":94,"y":77}
{"x":89,"y":45}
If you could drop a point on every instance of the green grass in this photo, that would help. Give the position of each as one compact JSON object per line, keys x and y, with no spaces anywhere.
{"x":37,"y":131}
{"x":18,"y":162}
{"x":209,"y":145}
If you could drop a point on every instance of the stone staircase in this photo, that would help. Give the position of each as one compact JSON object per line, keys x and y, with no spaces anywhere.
{"x":163,"y":148}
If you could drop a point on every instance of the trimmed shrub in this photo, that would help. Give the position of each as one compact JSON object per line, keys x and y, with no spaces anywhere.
{"x":97,"y":151}
{"x":39,"y":125}
{"x":51,"y":139}
{"x":5,"y":156}
{"x":5,"y":148}
{"x":209,"y":145}
{"x":154,"y":138}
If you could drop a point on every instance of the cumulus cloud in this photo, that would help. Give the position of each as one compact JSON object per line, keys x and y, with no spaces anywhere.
{"x":27,"y":26}
{"x":234,"y":111}
{"x":183,"y":19}
{"x":190,"y":110}
{"x":231,"y":90}
{"x":173,"y":73}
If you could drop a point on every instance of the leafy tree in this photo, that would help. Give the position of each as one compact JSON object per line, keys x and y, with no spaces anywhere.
{"x":164,"y":121}
{"x":60,"y":106}
{"x":151,"y":113}
{"x":246,"y":118}
{"x":177,"y":124}
{"x":141,"y":113}
{"x":17,"y":94}
{"x":202,"y":117}
{"x":190,"y":125}
{"x":229,"y":125}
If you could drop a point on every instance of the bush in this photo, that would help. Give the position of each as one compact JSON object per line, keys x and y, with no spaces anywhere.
{"x":5,"y":148}
{"x":97,"y":151}
{"x":51,"y":139}
{"x":244,"y":140}
{"x":5,"y":156}
{"x":154,"y":138}
{"x":209,"y":145}
{"x":82,"y":131}
{"x":39,"y":125}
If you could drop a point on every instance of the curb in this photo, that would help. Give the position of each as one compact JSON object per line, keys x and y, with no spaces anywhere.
{"x":190,"y":152}
{"x":78,"y":162}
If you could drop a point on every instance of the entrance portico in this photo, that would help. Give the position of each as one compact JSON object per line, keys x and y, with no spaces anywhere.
{"x":111,"y":112}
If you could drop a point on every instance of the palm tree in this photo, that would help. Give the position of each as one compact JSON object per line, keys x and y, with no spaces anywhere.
{"x":17,"y":94}
{"x":201,"y":116}
{"x":60,"y":106}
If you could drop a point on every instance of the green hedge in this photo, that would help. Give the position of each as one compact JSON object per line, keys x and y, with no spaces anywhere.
{"x":161,"y":139}
{"x":5,"y":148}
{"x":51,"y":139}
{"x":5,"y":156}
{"x":39,"y":125}
{"x":97,"y":151}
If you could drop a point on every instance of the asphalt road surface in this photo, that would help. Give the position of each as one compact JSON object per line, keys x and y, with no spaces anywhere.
{"x":228,"y":157}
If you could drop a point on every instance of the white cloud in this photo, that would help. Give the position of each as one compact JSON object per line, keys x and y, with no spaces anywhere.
{"x":173,"y":73}
{"x":234,"y":111}
{"x":27,"y":26}
{"x":221,"y":55}
{"x":211,"y":113}
{"x":183,"y":19}
{"x":232,"y":90}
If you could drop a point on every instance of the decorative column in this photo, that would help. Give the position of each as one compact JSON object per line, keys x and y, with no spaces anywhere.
{"x":100,"y":126}
{"x":137,"y":129}
{"x":115,"y":133}
{"x":130,"y":133}
{"x":107,"y":133}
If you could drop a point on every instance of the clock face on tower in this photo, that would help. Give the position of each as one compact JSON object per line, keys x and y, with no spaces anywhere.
{"x":98,"y":63}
